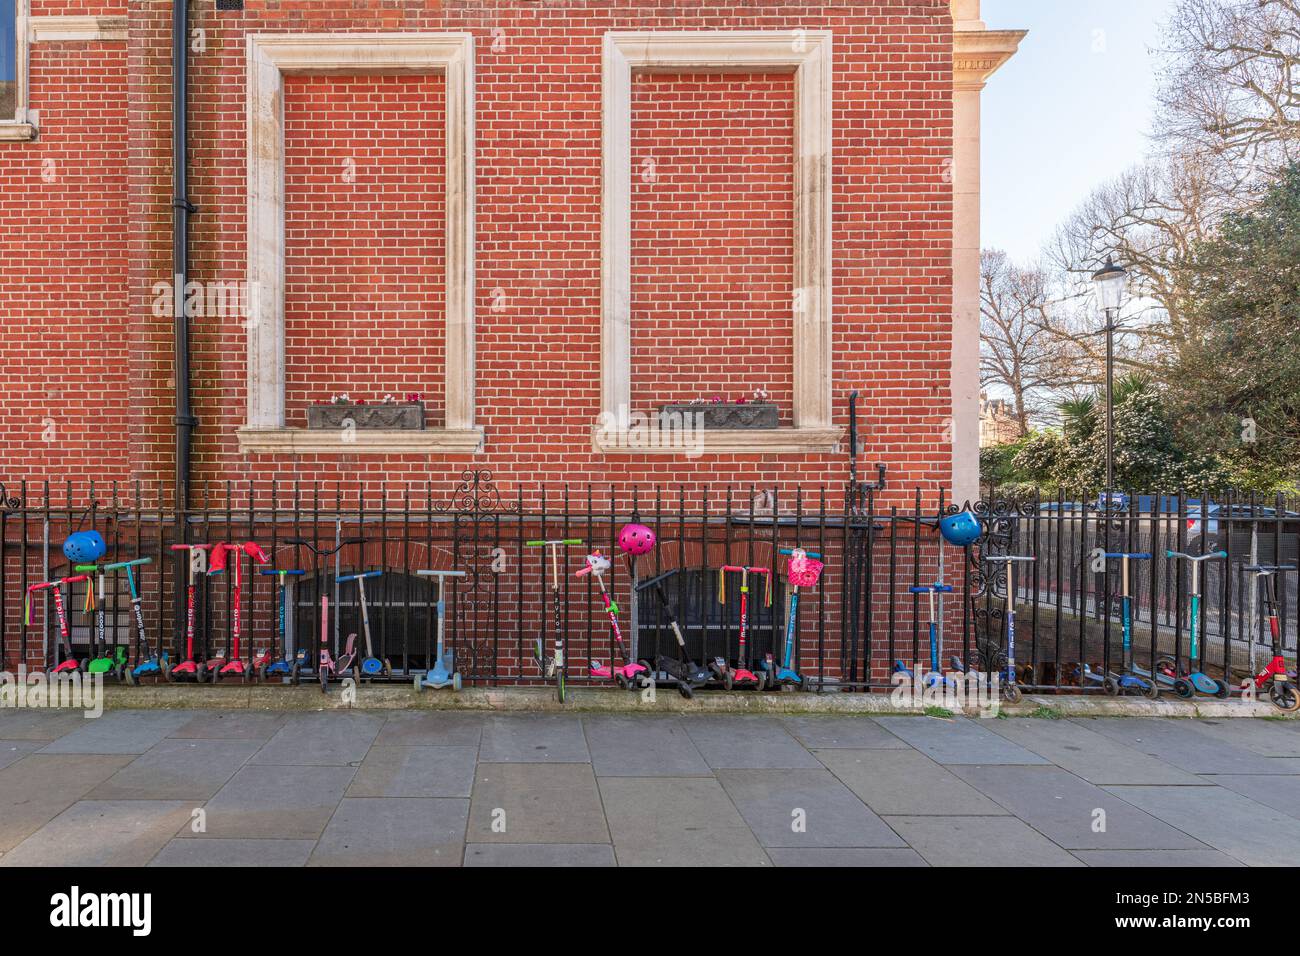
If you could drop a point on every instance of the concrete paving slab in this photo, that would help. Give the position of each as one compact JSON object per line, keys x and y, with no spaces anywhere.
{"x":1138,"y":859}
{"x":642,"y":747}
{"x":906,"y":783}
{"x":979,"y":841}
{"x":677,"y":821}
{"x":1268,"y":738}
{"x":232,"y":725}
{"x":46,"y":724}
{"x":845,"y":858}
{"x":321,"y":740}
{"x":536,"y":803}
{"x":415,"y":772}
{"x":748,"y":743}
{"x":120,"y":732}
{"x":11,"y":751}
{"x":1245,"y":830}
{"x":36,"y":789}
{"x":1095,"y":757}
{"x":1072,"y":812}
{"x":102,"y":833}
{"x":436,"y":729}
{"x":1280,"y":793}
{"x":1185,"y":745}
{"x":960,"y":740}
{"x":539,"y":854}
{"x":393,"y":832}
{"x":185,"y":769}
{"x":204,"y":853}
{"x":542,"y":738}
{"x":288,"y":803}
{"x":842,"y":733}
{"x":804,"y":808}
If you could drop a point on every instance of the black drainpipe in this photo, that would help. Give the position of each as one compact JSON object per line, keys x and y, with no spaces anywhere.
{"x":181,"y":210}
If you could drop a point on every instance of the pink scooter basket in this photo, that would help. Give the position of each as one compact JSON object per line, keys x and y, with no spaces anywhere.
{"x":803,"y":572}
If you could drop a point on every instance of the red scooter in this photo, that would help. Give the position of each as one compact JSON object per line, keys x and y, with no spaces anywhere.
{"x":69,"y":663}
{"x":233,"y":665}
{"x":1282,"y":693}
{"x":189,"y":669}
{"x":741,"y":675}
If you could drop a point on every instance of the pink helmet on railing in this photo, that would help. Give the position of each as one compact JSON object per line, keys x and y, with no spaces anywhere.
{"x":636,"y":540}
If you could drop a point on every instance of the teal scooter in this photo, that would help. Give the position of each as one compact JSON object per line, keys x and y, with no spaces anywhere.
{"x":1131,"y":678}
{"x":1192,"y":682}
{"x":443,"y":673}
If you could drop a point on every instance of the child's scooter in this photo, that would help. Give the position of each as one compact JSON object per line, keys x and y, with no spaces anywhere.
{"x":1131,"y":679}
{"x":687,"y":675}
{"x":1192,"y":681}
{"x":188,"y":669}
{"x":371,"y":666}
{"x":741,"y":675}
{"x":300,"y":658}
{"x":935,"y":677}
{"x":1282,"y":693}
{"x":443,"y":673}
{"x":152,"y":662}
{"x":69,"y":663}
{"x":802,"y":570}
{"x":325,"y":668}
{"x":1009,"y":686}
{"x":630,"y":675}
{"x":116,"y":661}
{"x":553,"y":666}
{"x":219,"y":667}
{"x":269,"y":665}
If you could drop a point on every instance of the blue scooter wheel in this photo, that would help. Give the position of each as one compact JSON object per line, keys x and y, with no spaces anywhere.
{"x":1183,"y":688}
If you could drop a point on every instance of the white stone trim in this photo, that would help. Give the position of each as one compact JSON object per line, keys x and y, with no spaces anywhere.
{"x":361,"y":441}
{"x":269,"y":58}
{"x":718,"y":441}
{"x":21,"y":126}
{"x":806,"y":54}
{"x":49,"y":28}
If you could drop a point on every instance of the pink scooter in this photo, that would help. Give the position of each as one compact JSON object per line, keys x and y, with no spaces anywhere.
{"x":741,"y":675}
{"x":69,"y":663}
{"x":631,"y":675}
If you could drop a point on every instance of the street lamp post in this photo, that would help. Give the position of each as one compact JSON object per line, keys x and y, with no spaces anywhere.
{"x":1110,"y":281}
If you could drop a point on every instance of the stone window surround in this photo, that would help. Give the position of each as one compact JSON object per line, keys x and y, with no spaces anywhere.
{"x":269,"y":58}
{"x":806,"y":54}
{"x":23,"y":126}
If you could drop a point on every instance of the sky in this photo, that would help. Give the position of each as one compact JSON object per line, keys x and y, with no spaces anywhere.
{"x":1071,"y":109}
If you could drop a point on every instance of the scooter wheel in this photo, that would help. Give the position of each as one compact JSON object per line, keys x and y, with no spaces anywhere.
{"x":1284,"y":697}
{"x":686,"y":691}
{"x":1111,"y":685}
{"x":388,"y":667}
{"x":1183,"y":688}
{"x":128,"y":676}
{"x":1012,"y":693}
{"x":1166,"y":666}
{"x":456,"y":682}
{"x":1221,"y":690}
{"x":728,"y":681}
{"x":294,"y":674}
{"x":621,"y":681}
{"x":1151,"y":690}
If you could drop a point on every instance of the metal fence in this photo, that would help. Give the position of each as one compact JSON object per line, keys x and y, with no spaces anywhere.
{"x":850,"y":631}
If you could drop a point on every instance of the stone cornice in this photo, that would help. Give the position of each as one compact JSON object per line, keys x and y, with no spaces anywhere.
{"x":978,"y":54}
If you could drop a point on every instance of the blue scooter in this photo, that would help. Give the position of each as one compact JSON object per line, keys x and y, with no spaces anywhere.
{"x":934,"y":677}
{"x":268,"y":666}
{"x":443,"y":672}
{"x":1131,"y":678}
{"x":371,"y":666}
{"x":1192,"y":682}
{"x":802,"y":570}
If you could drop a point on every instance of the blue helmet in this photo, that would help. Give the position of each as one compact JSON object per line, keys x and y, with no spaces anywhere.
{"x":84,"y":547}
{"x":961,"y":529}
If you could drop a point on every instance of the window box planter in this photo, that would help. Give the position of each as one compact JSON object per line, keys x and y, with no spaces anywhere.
{"x":403,"y":416}
{"x":725,"y":415}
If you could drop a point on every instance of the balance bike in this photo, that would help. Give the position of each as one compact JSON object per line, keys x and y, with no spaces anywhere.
{"x":1192,"y":682}
{"x":630,"y":675}
{"x":269,"y":665}
{"x":69,"y":663}
{"x":935,"y":678}
{"x":680,"y":671}
{"x":553,"y":666}
{"x":1282,"y":692}
{"x":1132,"y":678}
{"x":371,"y":666}
{"x":189,"y":669}
{"x":741,"y":675}
{"x":802,"y":570}
{"x":443,"y":673}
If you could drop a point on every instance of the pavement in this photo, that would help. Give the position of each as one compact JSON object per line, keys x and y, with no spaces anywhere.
{"x":221,"y":787}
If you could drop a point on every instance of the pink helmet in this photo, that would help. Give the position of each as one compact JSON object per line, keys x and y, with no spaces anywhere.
{"x":636,"y":540}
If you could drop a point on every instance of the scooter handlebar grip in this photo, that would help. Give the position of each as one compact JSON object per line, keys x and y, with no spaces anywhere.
{"x":808,"y":554}
{"x":937,"y":588}
{"x":1136,"y":556}
{"x":272,"y":571}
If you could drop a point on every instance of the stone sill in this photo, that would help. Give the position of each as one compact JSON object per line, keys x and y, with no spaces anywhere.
{"x":362,"y":441}
{"x":17,"y":132}
{"x":718,"y":441}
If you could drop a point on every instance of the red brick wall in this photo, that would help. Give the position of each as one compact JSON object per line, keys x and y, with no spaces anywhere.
{"x":99,"y":241}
